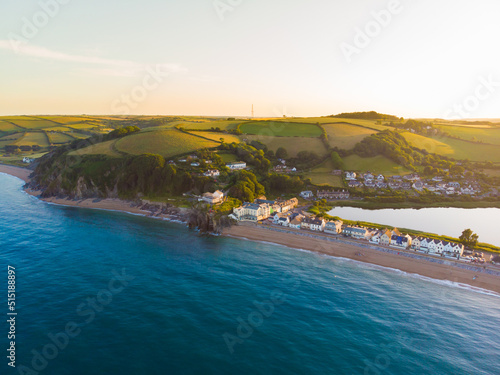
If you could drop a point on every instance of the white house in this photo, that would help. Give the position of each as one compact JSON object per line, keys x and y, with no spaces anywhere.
{"x":307,"y":194}
{"x":355,"y":232}
{"x":238,"y":165}
{"x":27,"y":160}
{"x":212,"y":173}
{"x":213,"y":198}
{"x":436,"y":247}
{"x":195,"y":164}
{"x":453,"y":250}
{"x":333,"y":227}
{"x":350,"y":176}
{"x":252,"y":212}
{"x":296,"y":223}
{"x":313,"y":223}
{"x":415,"y":243}
{"x":400,"y":241}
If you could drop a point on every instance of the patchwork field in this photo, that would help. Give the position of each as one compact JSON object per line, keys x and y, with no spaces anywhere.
{"x":472,"y":151}
{"x":66,"y":119}
{"x":228,"y":138}
{"x":377,"y":164}
{"x":222,"y":124}
{"x":345,"y":136}
{"x":431,"y":145}
{"x":9,"y":127}
{"x":333,"y":120}
{"x":293,"y":145}
{"x":33,"y":138}
{"x":103,"y":148}
{"x":280,"y":129}
{"x":33,"y":124}
{"x":322,"y":175}
{"x":455,"y":148}
{"x":10,"y":139}
{"x":59,"y":138}
{"x":476,"y":133}
{"x":164,"y":142}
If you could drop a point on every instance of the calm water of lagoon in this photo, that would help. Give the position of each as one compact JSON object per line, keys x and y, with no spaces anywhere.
{"x":444,"y":221}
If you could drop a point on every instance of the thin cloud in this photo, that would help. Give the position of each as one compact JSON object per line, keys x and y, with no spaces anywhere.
{"x":107,"y":66}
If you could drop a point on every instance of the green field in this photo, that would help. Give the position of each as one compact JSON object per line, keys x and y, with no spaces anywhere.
{"x":83,"y":126}
{"x":322,"y":175}
{"x":65,"y":119}
{"x":58,"y":129}
{"x":33,"y":124}
{"x":60,"y":138}
{"x":346,"y":136}
{"x":9,"y":127}
{"x":431,"y":145}
{"x":103,"y":148}
{"x":222,"y":124}
{"x":33,"y":138}
{"x":164,"y":142}
{"x":476,"y":133}
{"x":293,"y":145}
{"x":377,"y":164}
{"x":228,"y":158}
{"x":333,"y":120}
{"x":10,"y":139}
{"x":228,"y":138}
{"x":455,"y":148}
{"x":280,"y":129}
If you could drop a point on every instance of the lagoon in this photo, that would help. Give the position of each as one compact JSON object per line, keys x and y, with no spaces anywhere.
{"x":443,"y":221}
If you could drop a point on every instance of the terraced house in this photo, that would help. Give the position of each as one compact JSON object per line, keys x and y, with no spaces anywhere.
{"x":333,"y":194}
{"x":355,"y":232}
{"x":313,"y":223}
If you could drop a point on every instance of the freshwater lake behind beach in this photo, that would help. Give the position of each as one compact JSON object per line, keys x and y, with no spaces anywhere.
{"x":442,"y":221}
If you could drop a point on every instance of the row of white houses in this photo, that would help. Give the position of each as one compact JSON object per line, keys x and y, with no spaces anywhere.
{"x":393,"y":238}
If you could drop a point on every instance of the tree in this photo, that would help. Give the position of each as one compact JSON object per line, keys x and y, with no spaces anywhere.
{"x":281,"y":153}
{"x":469,"y":238}
{"x":337,"y":160}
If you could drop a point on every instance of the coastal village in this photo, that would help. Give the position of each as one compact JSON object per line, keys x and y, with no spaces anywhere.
{"x":287,"y":213}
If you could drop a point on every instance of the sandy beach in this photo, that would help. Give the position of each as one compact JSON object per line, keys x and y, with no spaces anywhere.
{"x":255,"y":233}
{"x":362,"y":254}
{"x":22,"y":173}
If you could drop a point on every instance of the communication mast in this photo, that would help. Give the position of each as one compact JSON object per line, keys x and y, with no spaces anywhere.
{"x":252,"y":111}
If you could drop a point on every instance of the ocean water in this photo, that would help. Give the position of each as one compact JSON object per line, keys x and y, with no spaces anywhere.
{"x":140,"y":296}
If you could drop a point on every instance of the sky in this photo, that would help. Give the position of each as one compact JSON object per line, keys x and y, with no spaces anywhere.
{"x":420,"y":59}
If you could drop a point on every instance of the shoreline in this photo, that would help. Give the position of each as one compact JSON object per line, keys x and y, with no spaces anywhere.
{"x":424,"y":266}
{"x":368,"y":254}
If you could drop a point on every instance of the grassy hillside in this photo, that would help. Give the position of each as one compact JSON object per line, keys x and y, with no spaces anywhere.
{"x":103,"y":148}
{"x":228,"y":138}
{"x":293,"y":145}
{"x":322,"y":175}
{"x":280,"y":129}
{"x":167,"y":143}
{"x":377,"y":164}
{"x":206,"y":125}
{"x":478,"y":133}
{"x":345,"y":136}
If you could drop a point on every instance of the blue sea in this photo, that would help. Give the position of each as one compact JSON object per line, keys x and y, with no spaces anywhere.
{"x":109,"y":293}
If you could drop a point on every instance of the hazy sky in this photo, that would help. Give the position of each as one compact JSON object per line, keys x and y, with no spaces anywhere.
{"x":203,"y":57}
